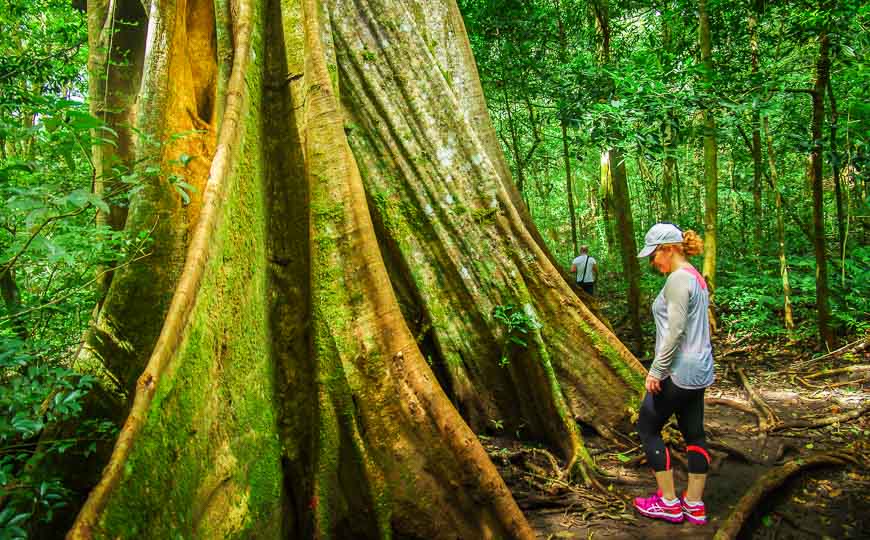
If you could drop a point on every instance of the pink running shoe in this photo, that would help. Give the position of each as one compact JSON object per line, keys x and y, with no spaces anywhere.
{"x":694,"y":512}
{"x":655,"y":507}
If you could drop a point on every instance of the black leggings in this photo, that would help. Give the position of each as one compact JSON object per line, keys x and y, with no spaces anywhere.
{"x":654,"y":414}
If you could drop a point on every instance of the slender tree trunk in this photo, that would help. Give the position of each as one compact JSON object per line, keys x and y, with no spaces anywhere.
{"x":757,"y":167}
{"x":617,"y":194}
{"x":515,"y":145}
{"x":711,"y":180}
{"x":669,"y":165}
{"x":607,"y":209}
{"x":823,"y":66}
{"x":669,"y":169}
{"x":628,"y":248}
{"x":12,"y":298}
{"x":566,"y":154}
{"x":780,"y":230}
{"x":835,"y":169}
{"x":116,"y":31}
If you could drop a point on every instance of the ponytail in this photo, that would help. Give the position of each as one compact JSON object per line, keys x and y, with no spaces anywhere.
{"x":692,"y":243}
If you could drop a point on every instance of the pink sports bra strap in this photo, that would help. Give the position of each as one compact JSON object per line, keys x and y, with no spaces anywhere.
{"x":698,"y":277}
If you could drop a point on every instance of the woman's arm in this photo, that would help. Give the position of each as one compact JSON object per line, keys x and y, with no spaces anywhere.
{"x":677,"y":291}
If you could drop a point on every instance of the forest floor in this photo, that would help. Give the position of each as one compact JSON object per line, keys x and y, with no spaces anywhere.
{"x":824,"y":502}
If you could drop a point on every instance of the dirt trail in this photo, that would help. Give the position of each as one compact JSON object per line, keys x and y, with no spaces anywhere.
{"x":823,"y":503}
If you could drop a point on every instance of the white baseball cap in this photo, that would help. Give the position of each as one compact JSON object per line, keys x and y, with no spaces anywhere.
{"x":660,"y":233}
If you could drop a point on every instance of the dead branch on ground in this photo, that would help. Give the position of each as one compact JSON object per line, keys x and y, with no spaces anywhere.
{"x":733,"y":403}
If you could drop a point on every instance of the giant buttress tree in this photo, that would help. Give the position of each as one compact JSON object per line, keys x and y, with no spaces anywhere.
{"x":330,"y":345}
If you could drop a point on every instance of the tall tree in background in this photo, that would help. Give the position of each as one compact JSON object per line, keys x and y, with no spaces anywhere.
{"x":788,"y":317}
{"x":670,"y":170}
{"x":836,"y":167}
{"x":814,"y":172}
{"x":615,"y":180}
{"x":566,"y":153}
{"x":711,"y":172}
{"x":757,"y":164}
{"x":354,"y":251}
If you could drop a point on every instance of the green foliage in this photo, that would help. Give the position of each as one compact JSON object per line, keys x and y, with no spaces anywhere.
{"x":542,"y":66}
{"x":53,"y":255}
{"x":33,"y":395}
{"x":752,"y":302}
{"x":517,"y":324}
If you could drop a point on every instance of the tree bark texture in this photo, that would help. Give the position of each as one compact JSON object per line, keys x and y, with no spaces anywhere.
{"x":328,"y":347}
{"x":163,"y":105}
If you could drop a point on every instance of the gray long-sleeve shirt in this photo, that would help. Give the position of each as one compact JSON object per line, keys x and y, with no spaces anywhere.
{"x":683,"y":349}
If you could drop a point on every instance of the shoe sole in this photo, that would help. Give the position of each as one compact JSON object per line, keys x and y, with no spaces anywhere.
{"x":695,"y":521}
{"x":671,"y":518}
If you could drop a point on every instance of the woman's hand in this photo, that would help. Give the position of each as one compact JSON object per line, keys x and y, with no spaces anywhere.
{"x":653,"y":385}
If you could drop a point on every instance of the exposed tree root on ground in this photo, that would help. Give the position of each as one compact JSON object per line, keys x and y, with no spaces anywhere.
{"x":854,"y":347}
{"x":828,"y":372}
{"x":766,"y":417}
{"x":744,"y":457}
{"x":824,"y":420}
{"x":734,"y":451}
{"x":828,"y":386}
{"x":733,"y":403}
{"x":769,"y":482}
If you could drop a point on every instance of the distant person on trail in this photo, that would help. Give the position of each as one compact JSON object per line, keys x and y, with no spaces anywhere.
{"x":586,"y":269}
{"x":681,"y":371}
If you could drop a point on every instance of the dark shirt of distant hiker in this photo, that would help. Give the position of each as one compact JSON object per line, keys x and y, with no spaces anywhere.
{"x":586,"y":270}
{"x":681,"y":371}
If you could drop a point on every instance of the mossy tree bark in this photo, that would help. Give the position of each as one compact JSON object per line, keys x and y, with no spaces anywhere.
{"x":168,"y":96}
{"x":330,"y":349}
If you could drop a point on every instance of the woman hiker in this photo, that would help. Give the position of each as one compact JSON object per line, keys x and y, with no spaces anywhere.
{"x":681,"y":370}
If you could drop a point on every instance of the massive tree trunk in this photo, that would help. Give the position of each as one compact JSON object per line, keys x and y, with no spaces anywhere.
{"x":340,"y":265}
{"x":163,"y":87}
